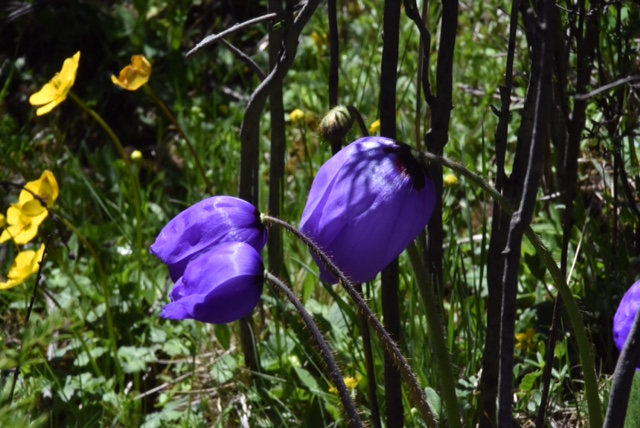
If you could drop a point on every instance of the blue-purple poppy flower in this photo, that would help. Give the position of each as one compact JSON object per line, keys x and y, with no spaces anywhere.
{"x":221,"y":285}
{"x":366,"y":205}
{"x":210,"y":222}
{"x":626,"y":315}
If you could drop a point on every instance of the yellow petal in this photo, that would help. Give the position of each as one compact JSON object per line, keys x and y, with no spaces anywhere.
{"x":374,"y":127}
{"x":135,"y":75}
{"x":46,"y":187}
{"x":3,"y":220}
{"x":55,"y":91}
{"x":9,"y":284}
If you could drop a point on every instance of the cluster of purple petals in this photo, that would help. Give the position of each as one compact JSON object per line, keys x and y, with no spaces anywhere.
{"x":366,"y":205}
{"x":213,"y":253}
{"x":625,"y":316}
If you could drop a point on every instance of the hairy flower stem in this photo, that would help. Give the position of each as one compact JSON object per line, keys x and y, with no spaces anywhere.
{"x":434,"y":325}
{"x":584,"y":346}
{"x":416,"y":393}
{"x":325,"y":351}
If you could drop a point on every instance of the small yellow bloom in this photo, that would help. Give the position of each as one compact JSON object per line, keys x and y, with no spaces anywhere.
{"x":55,"y":92}
{"x":374,"y":127}
{"x":526,"y":341}
{"x":136,"y":155}
{"x":25,"y":264}
{"x":319,"y":40}
{"x":135,"y":75}
{"x":350,"y":382}
{"x":296,"y":115}
{"x":24,"y":218}
{"x":450,"y":180}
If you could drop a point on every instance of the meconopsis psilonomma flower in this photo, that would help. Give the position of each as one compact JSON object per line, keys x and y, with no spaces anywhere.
{"x":210,"y":222}
{"x":221,"y":285}
{"x":366,"y":205}
{"x":625,"y":316}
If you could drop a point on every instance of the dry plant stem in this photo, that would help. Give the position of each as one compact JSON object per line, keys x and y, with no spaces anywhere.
{"x":416,"y":394}
{"x":246,"y":59}
{"x":435,"y":325}
{"x":275,"y":250}
{"x":334,"y":63}
{"x":390,"y":276}
{"x":325,"y":352}
{"x":490,"y":362}
{"x":209,"y":40}
{"x":559,"y":281}
{"x":16,"y":371}
{"x":250,"y":143}
{"x":356,"y":114}
{"x":623,"y":378}
{"x":522,"y":218}
{"x":436,"y":138}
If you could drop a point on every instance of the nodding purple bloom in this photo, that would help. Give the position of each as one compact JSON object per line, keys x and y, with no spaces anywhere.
{"x":221,"y":285}
{"x":210,"y":222}
{"x":366,"y":205}
{"x":625,"y":316}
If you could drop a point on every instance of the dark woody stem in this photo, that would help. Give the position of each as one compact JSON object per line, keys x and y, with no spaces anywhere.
{"x":416,"y":393}
{"x":325,"y":351}
{"x":16,"y":371}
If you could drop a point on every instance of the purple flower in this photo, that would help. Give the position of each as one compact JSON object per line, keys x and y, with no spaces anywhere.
{"x":366,"y":205}
{"x":210,"y":222}
{"x":221,"y":285}
{"x":625,"y":316}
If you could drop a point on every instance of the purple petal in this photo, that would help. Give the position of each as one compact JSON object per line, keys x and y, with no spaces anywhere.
{"x":221,"y":285}
{"x":210,"y":222}
{"x":366,"y":205}
{"x":626,"y":315}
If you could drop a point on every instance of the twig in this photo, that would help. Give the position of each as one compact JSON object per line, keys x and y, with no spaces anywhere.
{"x":325,"y":351}
{"x":608,"y":87}
{"x":209,"y":40}
{"x":334,"y":63}
{"x":245,"y":58}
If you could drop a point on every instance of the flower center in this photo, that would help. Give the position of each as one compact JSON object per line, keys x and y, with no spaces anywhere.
{"x":409,"y":165}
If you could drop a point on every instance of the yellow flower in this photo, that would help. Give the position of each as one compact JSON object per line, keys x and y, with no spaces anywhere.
{"x":450,"y":180}
{"x":296,"y":115}
{"x":55,"y":92}
{"x":526,"y":341}
{"x":3,"y":220}
{"x":25,"y":264}
{"x":374,"y":127}
{"x":135,"y":75}
{"x":319,"y":40}
{"x":24,"y":218}
{"x":136,"y":155}
{"x":350,"y":382}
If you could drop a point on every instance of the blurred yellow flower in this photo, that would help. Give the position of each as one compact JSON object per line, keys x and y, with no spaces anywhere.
{"x":319,"y":40}
{"x":350,"y":382}
{"x":450,"y":180}
{"x":55,"y":92}
{"x":3,"y":220}
{"x":135,"y":75}
{"x":374,"y":127}
{"x":296,"y":115}
{"x":136,"y":155}
{"x":25,"y":264}
{"x":24,"y":218}
{"x":525,"y":341}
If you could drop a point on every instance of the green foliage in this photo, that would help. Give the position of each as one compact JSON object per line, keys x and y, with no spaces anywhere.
{"x":96,"y":352}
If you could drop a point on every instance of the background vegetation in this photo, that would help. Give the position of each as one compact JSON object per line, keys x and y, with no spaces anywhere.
{"x":96,"y":353}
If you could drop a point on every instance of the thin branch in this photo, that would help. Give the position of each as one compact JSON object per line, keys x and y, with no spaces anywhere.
{"x":209,"y":40}
{"x":608,"y":87}
{"x":522,"y":218}
{"x":245,"y":58}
